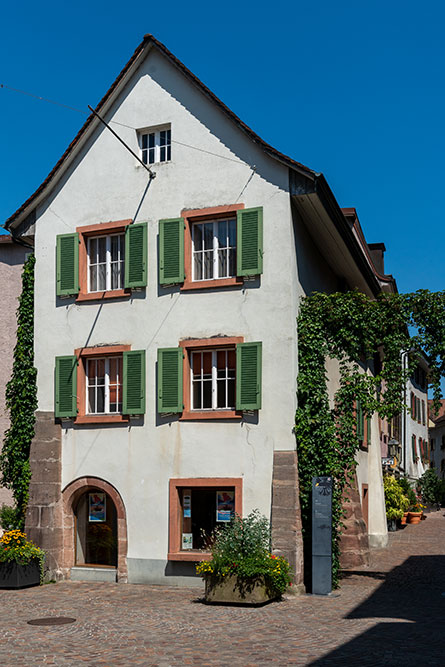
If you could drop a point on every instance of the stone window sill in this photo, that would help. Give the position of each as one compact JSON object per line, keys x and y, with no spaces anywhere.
{"x":100,"y":296}
{"x":101,"y":419}
{"x":193,"y":556}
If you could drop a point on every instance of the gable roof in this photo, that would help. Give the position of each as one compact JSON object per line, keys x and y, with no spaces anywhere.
{"x":144,"y":47}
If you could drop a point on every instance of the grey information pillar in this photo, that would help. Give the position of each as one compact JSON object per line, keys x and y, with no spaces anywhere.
{"x":321,"y":535}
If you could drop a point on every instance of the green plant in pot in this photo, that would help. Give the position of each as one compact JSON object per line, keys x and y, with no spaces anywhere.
{"x":242,"y":568}
{"x":396,"y":502}
{"x":21,"y":561}
{"x":430,"y":488}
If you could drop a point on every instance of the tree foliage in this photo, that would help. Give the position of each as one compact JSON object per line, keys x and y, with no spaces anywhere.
{"x":367,"y":337}
{"x":21,"y":401}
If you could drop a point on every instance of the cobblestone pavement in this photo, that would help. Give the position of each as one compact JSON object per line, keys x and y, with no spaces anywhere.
{"x":389,"y":614}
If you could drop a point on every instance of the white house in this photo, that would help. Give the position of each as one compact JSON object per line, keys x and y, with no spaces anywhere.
{"x":415,"y":452}
{"x":165,"y":329}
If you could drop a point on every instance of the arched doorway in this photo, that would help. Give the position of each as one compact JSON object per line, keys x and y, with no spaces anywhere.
{"x":95,"y":526}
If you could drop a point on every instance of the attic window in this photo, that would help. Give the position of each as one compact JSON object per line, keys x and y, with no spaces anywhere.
{"x":155,"y":144}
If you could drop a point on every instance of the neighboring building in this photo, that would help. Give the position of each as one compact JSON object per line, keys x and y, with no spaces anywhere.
{"x":165,"y":319}
{"x":414,"y":426}
{"x":437,"y":438}
{"x":404,"y":439}
{"x":12,"y":258}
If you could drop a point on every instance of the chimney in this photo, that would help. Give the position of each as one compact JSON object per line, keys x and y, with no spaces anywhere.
{"x":377,"y":251}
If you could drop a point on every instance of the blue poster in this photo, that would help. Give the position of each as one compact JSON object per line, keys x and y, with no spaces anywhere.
{"x":97,"y":507}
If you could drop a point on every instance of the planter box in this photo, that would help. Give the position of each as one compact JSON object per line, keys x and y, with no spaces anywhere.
{"x":232,"y":590}
{"x":15,"y":575}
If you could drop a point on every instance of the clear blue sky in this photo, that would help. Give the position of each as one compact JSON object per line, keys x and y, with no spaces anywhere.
{"x":352,"y":89}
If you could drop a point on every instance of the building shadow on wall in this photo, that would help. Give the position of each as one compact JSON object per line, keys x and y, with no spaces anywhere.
{"x":412,"y":598}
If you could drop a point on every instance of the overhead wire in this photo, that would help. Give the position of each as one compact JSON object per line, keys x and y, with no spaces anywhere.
{"x":114,"y":122}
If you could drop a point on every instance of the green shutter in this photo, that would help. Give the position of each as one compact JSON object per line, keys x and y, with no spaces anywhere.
{"x":248,"y":376}
{"x":133,"y":402}
{"x":413,"y":442}
{"x":170,"y":379}
{"x":360,"y":420}
{"x":136,"y":255}
{"x":368,"y":430}
{"x":171,"y":251}
{"x":67,"y":260}
{"x":249,"y":242}
{"x":66,"y":387}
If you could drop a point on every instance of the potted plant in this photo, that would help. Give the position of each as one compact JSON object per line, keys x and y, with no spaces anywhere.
{"x":396,"y":503}
{"x":410,"y":494}
{"x":242,"y":569}
{"x":415,"y":512}
{"x":21,"y":561}
{"x":430,"y":489}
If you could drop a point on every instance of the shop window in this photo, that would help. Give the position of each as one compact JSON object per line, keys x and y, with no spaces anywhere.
{"x":102,"y":261}
{"x":214,"y":247}
{"x":197,"y":507}
{"x":95,"y":530}
{"x":100,"y":384}
{"x":214,"y":378}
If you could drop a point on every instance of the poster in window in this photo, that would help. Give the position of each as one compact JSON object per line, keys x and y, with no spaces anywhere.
{"x":187,"y":540}
{"x":225,"y":506}
{"x":187,"y":506}
{"x":97,"y":507}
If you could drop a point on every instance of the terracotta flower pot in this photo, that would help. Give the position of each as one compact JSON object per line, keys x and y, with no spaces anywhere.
{"x":414,"y":517}
{"x":404,"y":519}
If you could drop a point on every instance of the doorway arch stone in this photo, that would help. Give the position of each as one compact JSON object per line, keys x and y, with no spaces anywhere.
{"x":70,"y":496}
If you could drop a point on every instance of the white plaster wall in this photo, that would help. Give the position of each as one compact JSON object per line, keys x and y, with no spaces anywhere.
{"x":106,"y":184}
{"x":369,"y":468}
{"x":413,"y":469}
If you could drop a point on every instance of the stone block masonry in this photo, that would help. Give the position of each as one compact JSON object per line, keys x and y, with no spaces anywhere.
{"x":44,"y":516}
{"x":286,"y":525}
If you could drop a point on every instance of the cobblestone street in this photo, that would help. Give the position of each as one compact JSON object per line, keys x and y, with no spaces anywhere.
{"x":390,"y":614}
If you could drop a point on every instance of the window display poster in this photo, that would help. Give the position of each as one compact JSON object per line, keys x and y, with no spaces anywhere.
{"x":187,"y":506}
{"x":225,"y":505}
{"x":187,"y":540}
{"x":97,"y":507}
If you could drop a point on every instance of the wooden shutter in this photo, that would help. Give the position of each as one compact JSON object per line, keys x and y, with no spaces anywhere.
{"x":67,"y":263}
{"x":249,"y":242}
{"x":133,"y":389}
{"x":360,"y":420}
{"x":413,"y":442}
{"x":170,"y":364}
{"x":368,"y":430}
{"x":171,"y":251}
{"x":66,"y":387}
{"x":136,"y":255}
{"x":248,"y":376}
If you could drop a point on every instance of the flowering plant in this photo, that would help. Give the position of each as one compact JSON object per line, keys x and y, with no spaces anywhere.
{"x":15,"y":548}
{"x":242,"y":548}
